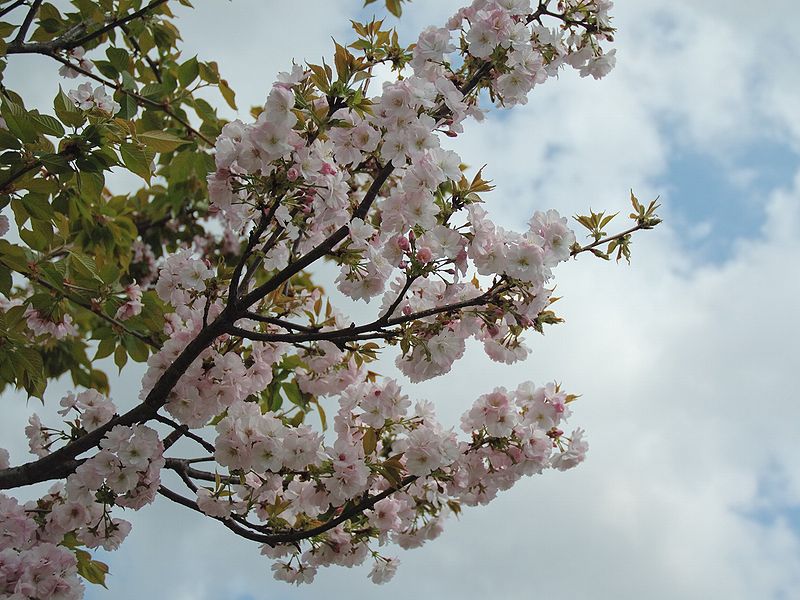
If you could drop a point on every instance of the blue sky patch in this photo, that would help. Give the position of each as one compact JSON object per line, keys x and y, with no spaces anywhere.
{"x":717,"y":202}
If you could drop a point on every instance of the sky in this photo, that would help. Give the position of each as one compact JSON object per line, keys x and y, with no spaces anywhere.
{"x":687,"y":360}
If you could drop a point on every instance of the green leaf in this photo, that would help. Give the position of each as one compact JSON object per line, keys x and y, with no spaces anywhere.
{"x":34,"y":239}
{"x":66,"y":110}
{"x":5,"y":280}
{"x":136,"y":160}
{"x":120,"y":357}
{"x":161,"y":141}
{"x":9,"y":140}
{"x":92,"y":571}
{"x":119,"y":58}
{"x":188,"y":71}
{"x":152,"y":90}
{"x":55,"y":163}
{"x":209,"y":72}
{"x":37,"y":207}
{"x":293,"y":393}
{"x":323,"y":419}
{"x":105,"y":348}
{"x":227,"y":93}
{"x":47,"y":125}
{"x":128,"y":106}
{"x":369,"y":441}
{"x":106,"y":69}
{"x":84,"y":266}
{"x":394,"y":7}
{"x":136,"y":348}
{"x":19,"y":121}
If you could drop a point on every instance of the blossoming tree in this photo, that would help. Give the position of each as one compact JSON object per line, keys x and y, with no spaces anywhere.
{"x":205,"y":274}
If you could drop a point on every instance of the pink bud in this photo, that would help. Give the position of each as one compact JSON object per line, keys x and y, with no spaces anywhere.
{"x":403,"y":243}
{"x":327,"y":169}
{"x":406,"y":310}
{"x":424,"y":255}
{"x":292,"y":174}
{"x":411,"y":236}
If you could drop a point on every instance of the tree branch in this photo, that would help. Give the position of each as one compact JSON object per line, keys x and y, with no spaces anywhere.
{"x":113,"y":24}
{"x":58,"y":464}
{"x":87,"y":305}
{"x":23,"y":29}
{"x":639,"y":226}
{"x":295,"y":535}
{"x":8,"y":9}
{"x":180,"y":431}
{"x":323,"y":249}
{"x":238,"y":530}
{"x":279,"y":322}
{"x":368,"y":331}
{"x":138,"y":49}
{"x":17,"y":174}
{"x":339,"y":336}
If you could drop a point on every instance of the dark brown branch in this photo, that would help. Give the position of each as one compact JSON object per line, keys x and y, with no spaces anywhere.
{"x":255,"y":235}
{"x":8,"y":9}
{"x":23,"y":29}
{"x":393,"y":307}
{"x":324,"y":248}
{"x":293,"y":535}
{"x":338,"y":336}
{"x":238,"y":530}
{"x":279,"y":322}
{"x":366,"y":503}
{"x":59,"y":464}
{"x":112,"y":25}
{"x":4,"y":185}
{"x":370,"y":330}
{"x":180,"y":431}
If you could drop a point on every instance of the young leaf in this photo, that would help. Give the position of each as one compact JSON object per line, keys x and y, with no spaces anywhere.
{"x":161,"y":141}
{"x":227,"y":93}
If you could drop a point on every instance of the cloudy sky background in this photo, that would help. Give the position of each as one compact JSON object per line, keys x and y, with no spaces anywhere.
{"x":687,"y":360}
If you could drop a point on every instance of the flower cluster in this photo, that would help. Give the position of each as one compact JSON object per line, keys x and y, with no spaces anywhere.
{"x":87,"y":98}
{"x":128,"y":464}
{"x":92,"y":410}
{"x":133,"y":304}
{"x":41,"y":324}
{"x":84,"y":63}
{"x":287,"y":477}
{"x":39,"y":548}
{"x":31,"y":568}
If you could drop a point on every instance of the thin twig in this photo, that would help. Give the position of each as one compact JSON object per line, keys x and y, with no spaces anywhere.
{"x":8,"y":9}
{"x":138,"y":49}
{"x":639,"y":226}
